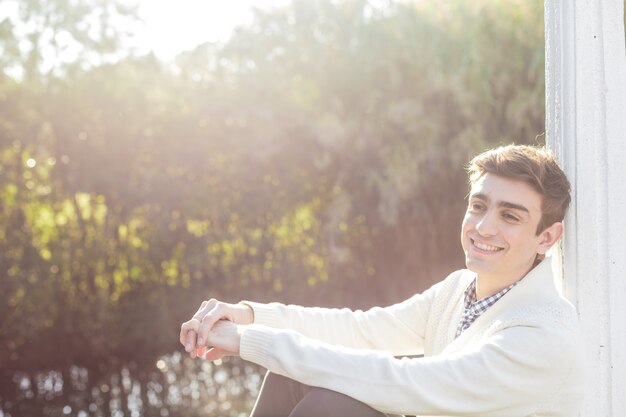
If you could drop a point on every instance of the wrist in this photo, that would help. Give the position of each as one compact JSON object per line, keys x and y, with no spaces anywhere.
{"x":240,"y":330}
{"x":247,"y":313}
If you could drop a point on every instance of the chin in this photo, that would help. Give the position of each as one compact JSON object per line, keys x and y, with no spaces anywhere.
{"x":477,"y":266}
{"x":470,"y":264}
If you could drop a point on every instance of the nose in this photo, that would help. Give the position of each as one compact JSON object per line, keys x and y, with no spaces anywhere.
{"x":486,"y":225}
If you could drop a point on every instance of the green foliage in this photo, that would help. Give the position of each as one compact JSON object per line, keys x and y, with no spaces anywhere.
{"x":316,"y":157}
{"x":38,"y":38}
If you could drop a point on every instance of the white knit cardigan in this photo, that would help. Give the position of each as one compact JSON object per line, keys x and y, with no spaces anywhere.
{"x":521,"y":357}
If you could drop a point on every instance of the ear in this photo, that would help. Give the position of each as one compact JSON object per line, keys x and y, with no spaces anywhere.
{"x":549,"y":237}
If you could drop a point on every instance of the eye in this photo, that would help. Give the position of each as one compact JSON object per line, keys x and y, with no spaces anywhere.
{"x":476,"y":207}
{"x":510,"y":217}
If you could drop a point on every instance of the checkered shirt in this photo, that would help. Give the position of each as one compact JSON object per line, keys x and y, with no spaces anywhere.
{"x":473,"y":309}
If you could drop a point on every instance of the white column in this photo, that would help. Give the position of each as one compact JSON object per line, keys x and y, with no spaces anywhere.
{"x":586,"y":128}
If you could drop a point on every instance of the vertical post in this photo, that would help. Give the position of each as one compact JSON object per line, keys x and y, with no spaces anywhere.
{"x":586,"y":128}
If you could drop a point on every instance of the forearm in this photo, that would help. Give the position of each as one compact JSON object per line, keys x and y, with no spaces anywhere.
{"x":498,"y":379}
{"x":398,"y":329}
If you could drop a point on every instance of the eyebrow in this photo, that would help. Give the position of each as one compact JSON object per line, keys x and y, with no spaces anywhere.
{"x":505,"y":204}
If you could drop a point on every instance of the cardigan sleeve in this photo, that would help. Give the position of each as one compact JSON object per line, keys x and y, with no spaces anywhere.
{"x":509,"y":374}
{"x":399,"y":329}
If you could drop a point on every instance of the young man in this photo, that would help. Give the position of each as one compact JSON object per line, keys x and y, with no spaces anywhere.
{"x":497,"y":338}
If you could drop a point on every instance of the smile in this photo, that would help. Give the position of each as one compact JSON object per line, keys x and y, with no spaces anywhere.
{"x":485,"y":247}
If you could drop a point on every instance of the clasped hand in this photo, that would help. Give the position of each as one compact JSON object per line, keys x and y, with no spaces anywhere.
{"x":213,"y":332}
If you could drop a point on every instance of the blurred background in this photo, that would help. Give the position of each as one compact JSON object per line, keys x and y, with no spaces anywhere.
{"x":157,"y":154}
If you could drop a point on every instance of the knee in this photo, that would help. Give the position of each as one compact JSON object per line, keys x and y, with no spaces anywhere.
{"x":272,"y":379}
{"x":324,"y":396}
{"x":321,"y":401}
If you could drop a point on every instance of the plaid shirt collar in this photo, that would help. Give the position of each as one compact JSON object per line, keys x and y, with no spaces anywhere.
{"x":473,"y":309}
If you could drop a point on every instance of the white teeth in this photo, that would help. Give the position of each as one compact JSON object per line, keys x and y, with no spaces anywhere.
{"x":486,"y":247}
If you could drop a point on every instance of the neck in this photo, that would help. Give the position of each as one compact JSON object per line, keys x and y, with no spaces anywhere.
{"x":487,"y":285}
{"x":486,"y":288}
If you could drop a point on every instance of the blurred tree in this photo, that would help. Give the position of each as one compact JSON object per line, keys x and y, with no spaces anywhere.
{"x":41,"y":37}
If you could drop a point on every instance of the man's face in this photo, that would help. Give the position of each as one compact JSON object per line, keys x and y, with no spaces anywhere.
{"x":498,"y":233}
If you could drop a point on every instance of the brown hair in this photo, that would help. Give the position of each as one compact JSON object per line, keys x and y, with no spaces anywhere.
{"x":534,"y":165}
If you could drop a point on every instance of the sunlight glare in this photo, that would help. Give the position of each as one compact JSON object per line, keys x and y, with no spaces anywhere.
{"x":173,"y":26}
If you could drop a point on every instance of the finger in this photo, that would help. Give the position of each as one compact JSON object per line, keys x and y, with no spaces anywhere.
{"x":182,"y":338}
{"x":205,"y":307}
{"x":200,"y":350}
{"x":190,"y":343}
{"x":203,"y":311}
{"x":193,"y":353}
{"x":192,"y":324}
{"x":208,"y":321}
